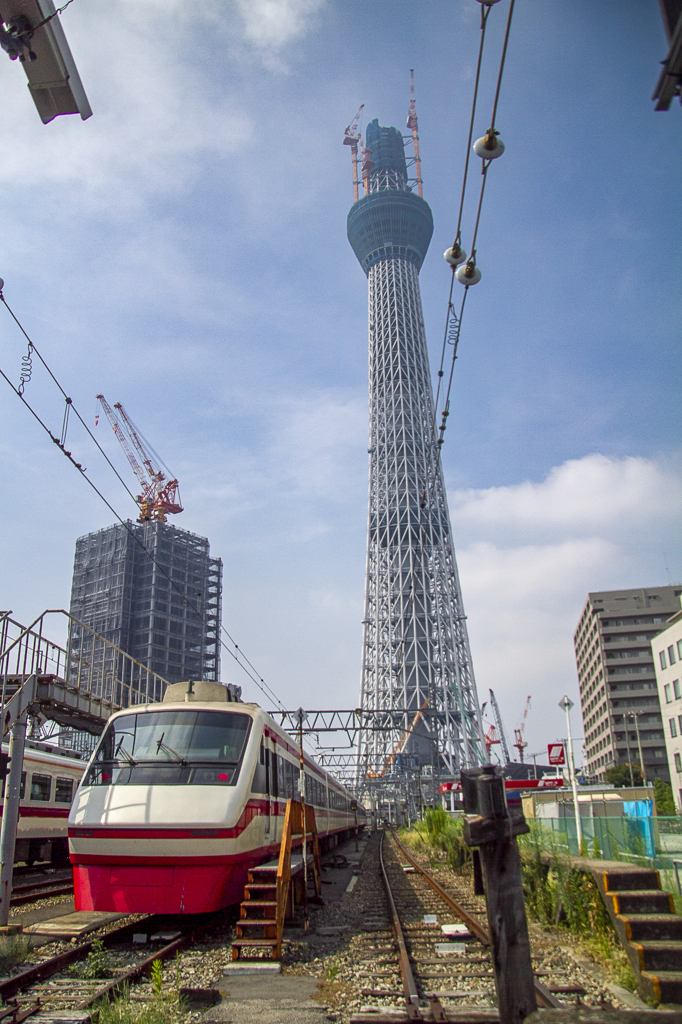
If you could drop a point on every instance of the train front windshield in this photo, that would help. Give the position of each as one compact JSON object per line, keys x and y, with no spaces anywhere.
{"x":171,"y":748}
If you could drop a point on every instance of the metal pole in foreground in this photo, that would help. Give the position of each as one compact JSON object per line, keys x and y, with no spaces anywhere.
{"x":566,"y":704}
{"x":639,"y":747}
{"x":10,"y":816}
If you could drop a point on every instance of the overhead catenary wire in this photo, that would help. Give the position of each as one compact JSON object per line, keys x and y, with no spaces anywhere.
{"x":453,"y":321}
{"x":237,"y":654}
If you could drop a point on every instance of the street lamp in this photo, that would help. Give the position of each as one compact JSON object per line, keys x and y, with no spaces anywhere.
{"x":566,"y":704}
{"x":32,"y":34}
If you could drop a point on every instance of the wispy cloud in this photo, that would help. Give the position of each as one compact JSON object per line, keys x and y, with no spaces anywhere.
{"x":529,"y":554}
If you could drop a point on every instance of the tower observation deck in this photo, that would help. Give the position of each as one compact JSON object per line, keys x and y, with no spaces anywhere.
{"x":416,"y":663}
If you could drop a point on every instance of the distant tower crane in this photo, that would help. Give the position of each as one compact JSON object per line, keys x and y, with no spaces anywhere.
{"x":412,"y":125}
{"x":352,"y":137}
{"x":159,"y":496}
{"x":500,"y":728}
{"x":521,"y":744}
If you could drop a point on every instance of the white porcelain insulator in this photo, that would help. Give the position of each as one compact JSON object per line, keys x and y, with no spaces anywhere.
{"x":468,"y":273}
{"x":455,"y":256}
{"x":480,"y":148}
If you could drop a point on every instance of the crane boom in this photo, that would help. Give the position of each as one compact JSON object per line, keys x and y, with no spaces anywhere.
{"x":413,"y":126}
{"x":158,"y":496}
{"x":518,"y":733}
{"x":351,"y":137}
{"x":500,"y":728}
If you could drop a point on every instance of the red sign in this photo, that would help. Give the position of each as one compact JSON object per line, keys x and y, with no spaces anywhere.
{"x":549,"y":782}
{"x":556,"y":753}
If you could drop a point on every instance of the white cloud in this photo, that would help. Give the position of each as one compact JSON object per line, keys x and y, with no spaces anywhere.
{"x":271,"y":24}
{"x":528,"y":555}
{"x":581,"y":496}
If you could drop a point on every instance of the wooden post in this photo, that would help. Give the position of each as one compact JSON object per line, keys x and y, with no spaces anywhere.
{"x":493,"y":830}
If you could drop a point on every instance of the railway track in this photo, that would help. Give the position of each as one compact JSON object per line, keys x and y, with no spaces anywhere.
{"x":51,"y":986}
{"x":28,"y":892}
{"x":422,"y":949}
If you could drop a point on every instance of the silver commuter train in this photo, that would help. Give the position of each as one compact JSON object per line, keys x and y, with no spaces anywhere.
{"x":181,"y":798}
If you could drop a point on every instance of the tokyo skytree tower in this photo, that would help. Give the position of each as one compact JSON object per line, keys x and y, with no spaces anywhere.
{"x":417,"y":670}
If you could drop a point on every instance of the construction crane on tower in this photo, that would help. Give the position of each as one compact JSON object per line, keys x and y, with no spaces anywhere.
{"x":353,"y":138}
{"x":159,"y":496}
{"x":412,"y":125}
{"x":500,"y":728}
{"x":521,"y":744}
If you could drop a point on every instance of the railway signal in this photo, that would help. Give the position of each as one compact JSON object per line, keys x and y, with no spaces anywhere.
{"x":32,"y":35}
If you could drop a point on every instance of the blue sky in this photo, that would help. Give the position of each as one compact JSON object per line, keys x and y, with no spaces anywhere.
{"x":184,"y":251}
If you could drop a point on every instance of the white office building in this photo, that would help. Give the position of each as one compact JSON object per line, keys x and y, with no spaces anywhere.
{"x":667,"y":651}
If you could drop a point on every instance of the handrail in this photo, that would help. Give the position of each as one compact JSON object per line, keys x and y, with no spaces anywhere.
{"x":108,"y":674}
{"x":293,"y":827}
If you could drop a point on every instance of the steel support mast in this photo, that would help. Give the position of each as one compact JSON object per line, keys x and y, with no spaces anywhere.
{"x":416,"y":652}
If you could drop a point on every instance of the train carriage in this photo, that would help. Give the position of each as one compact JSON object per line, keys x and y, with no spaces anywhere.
{"x":49,"y":781}
{"x":181,"y":798}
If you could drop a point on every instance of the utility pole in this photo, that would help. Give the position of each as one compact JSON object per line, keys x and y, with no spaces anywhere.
{"x":15,"y":719}
{"x":639,"y":746}
{"x":627,"y":743}
{"x":301,"y":789}
{"x":566,"y":704}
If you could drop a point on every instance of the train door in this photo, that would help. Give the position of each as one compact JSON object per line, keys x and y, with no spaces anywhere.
{"x":268,"y":788}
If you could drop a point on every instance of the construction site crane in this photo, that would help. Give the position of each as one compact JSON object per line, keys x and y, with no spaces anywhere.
{"x":521,"y":744}
{"x":500,"y":728}
{"x":401,"y":744}
{"x":352,"y":137}
{"x":412,"y":125}
{"x":159,"y":496}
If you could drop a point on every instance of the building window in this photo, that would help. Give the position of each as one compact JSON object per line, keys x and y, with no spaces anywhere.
{"x":661,"y":655}
{"x":678,"y":763}
{"x":679,"y":649}
{"x":673,"y":728}
{"x":667,"y":689}
{"x":676,"y":688}
{"x":671,"y":654}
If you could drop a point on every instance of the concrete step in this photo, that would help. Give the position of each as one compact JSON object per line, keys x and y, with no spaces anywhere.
{"x":659,"y":956}
{"x":620,"y":881}
{"x":641,"y":901}
{"x":639,"y":927}
{"x":662,"y":986}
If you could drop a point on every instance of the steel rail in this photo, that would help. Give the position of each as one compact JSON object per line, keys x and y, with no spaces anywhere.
{"x":31,"y":893}
{"x":546,"y":999}
{"x":409,"y":984}
{"x":133,"y":973}
{"x":19,"y":982}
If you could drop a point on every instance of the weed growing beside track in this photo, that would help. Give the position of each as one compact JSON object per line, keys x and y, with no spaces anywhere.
{"x":441,"y":838}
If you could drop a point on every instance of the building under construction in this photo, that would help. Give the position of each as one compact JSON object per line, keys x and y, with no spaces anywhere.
{"x":163,"y":610}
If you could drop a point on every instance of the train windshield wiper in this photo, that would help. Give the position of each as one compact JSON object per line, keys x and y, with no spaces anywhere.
{"x":160,"y":745}
{"x":119,"y":750}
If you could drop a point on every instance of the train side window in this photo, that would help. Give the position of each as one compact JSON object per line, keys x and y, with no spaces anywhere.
{"x":41,"y":786}
{"x":22,"y":789}
{"x":262,"y":752}
{"x":64,"y":791}
{"x":281,"y":777}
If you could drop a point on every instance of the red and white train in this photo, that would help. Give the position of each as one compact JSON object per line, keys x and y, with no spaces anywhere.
{"x":49,"y":781}
{"x":181,"y":798}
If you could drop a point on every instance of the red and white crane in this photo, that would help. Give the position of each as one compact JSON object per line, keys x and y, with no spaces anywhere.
{"x":352,"y":137}
{"x":158,"y":496}
{"x":521,"y":744}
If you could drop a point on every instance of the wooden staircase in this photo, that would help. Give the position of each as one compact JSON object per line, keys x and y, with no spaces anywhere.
{"x":272,"y":890}
{"x":650,"y":930}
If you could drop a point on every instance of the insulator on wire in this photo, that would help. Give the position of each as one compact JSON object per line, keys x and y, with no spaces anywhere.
{"x":468,"y":274}
{"x":489,"y":147}
{"x":488,"y":3}
{"x":454,"y":255}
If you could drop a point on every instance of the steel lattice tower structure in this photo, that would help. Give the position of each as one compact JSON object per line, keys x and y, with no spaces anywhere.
{"x":416,"y":664}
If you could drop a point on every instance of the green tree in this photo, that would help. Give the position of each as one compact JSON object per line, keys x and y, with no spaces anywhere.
{"x":665,"y":802}
{"x":619,"y":775}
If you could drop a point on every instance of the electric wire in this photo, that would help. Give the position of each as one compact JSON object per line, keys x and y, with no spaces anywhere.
{"x":25,"y":380}
{"x":257,"y":678}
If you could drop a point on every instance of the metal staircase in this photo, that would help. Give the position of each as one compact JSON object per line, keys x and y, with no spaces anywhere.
{"x":273,"y":889}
